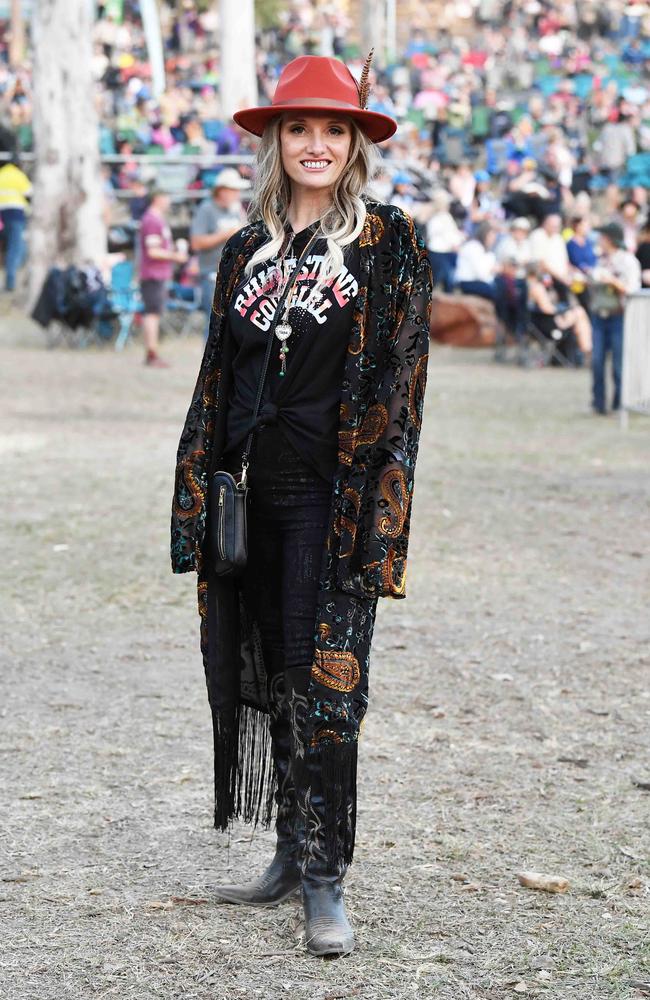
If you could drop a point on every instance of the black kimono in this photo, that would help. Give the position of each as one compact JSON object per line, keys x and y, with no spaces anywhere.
{"x":382,"y":394}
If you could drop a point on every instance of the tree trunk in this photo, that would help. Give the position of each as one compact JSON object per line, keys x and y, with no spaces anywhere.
{"x":67,"y":226}
{"x":373,"y":30}
{"x":238,"y":78}
{"x":17,"y":38}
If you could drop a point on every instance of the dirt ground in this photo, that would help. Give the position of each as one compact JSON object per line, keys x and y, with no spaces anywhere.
{"x":508,"y":731}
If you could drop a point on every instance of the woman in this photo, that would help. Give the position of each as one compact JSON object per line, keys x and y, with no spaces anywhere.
{"x":477,"y":264}
{"x":582,"y":257}
{"x":286,"y":645}
{"x":443,"y":239}
{"x":566,"y":325}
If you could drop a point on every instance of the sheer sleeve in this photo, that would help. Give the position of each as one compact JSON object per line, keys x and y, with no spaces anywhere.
{"x":193,"y":455}
{"x":387,"y":444}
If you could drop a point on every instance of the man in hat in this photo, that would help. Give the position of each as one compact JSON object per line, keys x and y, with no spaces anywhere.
{"x":215,"y":221}
{"x":616,"y":276}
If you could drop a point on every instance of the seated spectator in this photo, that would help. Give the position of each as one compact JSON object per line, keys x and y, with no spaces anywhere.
{"x":616,"y":143}
{"x":526,"y":192}
{"x":462,"y":185}
{"x":443,"y":240}
{"x":486,"y":205}
{"x":582,"y":257}
{"x":403,"y":193}
{"x":580,"y":249}
{"x":515,"y":246}
{"x":630,"y":219}
{"x":513,"y":257}
{"x":549,"y":249}
{"x":476,"y":265}
{"x":567,"y":325}
{"x":510,"y":298}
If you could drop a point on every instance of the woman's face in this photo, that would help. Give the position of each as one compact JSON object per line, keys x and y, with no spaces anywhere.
{"x":315,"y":148}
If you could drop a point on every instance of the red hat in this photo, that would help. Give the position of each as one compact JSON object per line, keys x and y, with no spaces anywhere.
{"x":318,"y":83}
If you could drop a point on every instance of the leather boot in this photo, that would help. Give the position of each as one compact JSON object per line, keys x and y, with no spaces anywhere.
{"x":327,"y":928}
{"x":281,"y":879}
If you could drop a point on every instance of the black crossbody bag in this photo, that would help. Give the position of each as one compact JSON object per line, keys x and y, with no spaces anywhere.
{"x":228,"y":495}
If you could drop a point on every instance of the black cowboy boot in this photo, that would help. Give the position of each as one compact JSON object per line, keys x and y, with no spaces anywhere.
{"x":281,"y":879}
{"x":327,"y":928}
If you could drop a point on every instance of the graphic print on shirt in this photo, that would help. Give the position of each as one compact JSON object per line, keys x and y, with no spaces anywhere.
{"x":257,"y":299}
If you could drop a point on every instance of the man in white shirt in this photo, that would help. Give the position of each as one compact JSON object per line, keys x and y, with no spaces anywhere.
{"x":548,"y":248}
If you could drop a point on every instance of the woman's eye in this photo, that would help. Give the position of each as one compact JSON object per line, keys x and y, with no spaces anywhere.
{"x":296,"y":128}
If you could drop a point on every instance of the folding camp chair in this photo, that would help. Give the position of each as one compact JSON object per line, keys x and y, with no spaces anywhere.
{"x":534,"y":348}
{"x":124,"y":296}
{"x":182,"y":309}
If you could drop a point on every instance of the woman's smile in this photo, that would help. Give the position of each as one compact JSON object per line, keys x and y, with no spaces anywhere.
{"x":313,"y":165}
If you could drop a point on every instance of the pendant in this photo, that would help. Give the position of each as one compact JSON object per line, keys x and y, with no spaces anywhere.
{"x":283,"y":331}
{"x":284,"y":350}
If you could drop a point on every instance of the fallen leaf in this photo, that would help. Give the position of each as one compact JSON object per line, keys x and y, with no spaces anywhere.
{"x":521,"y":987}
{"x":548,"y":883}
{"x":188,"y":901}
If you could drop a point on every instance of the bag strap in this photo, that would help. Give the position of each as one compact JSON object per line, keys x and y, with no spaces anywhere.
{"x":267,"y":357}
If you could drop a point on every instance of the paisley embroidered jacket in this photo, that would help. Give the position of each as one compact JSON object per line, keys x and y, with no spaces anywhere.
{"x":380,"y":413}
{"x":382,"y":394}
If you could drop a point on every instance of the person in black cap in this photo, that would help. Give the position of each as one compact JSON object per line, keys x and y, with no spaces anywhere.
{"x":616,"y":276}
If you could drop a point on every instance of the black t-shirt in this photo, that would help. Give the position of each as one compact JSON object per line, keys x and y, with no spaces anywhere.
{"x":305,"y":402}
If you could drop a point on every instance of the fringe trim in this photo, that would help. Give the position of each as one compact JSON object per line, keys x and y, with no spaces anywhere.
{"x":329,"y":773}
{"x":245,"y":780}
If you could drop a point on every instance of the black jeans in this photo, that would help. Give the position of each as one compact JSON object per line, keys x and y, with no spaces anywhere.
{"x":288,"y":515}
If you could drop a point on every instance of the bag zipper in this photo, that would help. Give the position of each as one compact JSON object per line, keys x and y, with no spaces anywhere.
{"x":222,"y":501}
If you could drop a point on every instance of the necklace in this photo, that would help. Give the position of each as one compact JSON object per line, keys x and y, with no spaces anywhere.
{"x":283,"y":329}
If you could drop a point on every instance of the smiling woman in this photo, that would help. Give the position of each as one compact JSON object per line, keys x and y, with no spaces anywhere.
{"x":325,"y":437}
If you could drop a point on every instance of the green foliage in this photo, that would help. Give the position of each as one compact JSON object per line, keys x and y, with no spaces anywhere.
{"x":267,"y":13}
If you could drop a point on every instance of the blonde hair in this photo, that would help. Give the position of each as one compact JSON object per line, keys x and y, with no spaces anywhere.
{"x":343,"y":221}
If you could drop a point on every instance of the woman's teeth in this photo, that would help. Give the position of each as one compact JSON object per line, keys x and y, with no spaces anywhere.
{"x":315,"y":164}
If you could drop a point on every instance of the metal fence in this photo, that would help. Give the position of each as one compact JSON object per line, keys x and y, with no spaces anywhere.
{"x":635,"y":384}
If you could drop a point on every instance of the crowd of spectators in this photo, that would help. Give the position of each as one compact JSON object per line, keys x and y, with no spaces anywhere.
{"x":523,"y":125}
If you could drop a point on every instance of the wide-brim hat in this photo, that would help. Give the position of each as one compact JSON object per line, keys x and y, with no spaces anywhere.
{"x":614,"y":232}
{"x":319,"y":83}
{"x":231,"y":178}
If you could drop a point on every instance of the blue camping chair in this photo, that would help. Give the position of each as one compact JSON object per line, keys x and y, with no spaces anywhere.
{"x":182,"y":307}
{"x":124,"y":296}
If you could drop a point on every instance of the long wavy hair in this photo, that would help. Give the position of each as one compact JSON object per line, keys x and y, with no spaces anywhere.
{"x":343,"y":221}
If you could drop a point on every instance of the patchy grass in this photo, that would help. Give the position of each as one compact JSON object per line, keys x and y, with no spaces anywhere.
{"x":510,"y":708}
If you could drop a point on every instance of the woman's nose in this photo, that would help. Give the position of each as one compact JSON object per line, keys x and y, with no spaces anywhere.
{"x":316,"y":143}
